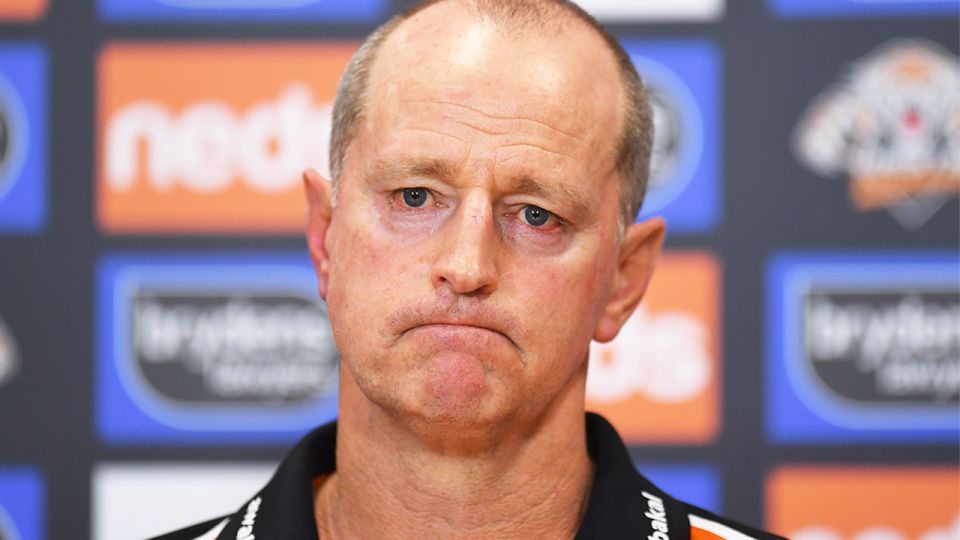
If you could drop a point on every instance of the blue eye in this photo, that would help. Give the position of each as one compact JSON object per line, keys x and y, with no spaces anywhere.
{"x":414,"y":197}
{"x":536,"y":216}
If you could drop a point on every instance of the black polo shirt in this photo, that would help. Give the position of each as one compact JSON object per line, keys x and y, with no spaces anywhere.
{"x":623,"y":504}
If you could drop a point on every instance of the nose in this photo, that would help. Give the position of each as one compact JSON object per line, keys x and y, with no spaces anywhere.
{"x":467,"y":260}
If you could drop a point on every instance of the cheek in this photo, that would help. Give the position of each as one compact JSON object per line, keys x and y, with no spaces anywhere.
{"x":370,"y":266}
{"x":560,"y":300}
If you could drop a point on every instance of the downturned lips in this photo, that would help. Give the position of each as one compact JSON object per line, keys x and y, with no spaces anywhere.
{"x":457,"y":323}
{"x":459,"y":337}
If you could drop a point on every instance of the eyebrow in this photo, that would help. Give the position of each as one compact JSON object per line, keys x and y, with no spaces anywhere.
{"x":424,"y":167}
{"x":569,"y":198}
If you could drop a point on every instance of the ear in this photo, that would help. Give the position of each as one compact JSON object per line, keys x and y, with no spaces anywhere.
{"x":319,"y":191}
{"x":638,"y":257}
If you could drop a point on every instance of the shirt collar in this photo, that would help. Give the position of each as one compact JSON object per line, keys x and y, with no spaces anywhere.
{"x":623,"y":504}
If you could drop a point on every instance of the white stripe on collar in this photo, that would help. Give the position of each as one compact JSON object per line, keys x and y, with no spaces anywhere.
{"x":214,"y":532}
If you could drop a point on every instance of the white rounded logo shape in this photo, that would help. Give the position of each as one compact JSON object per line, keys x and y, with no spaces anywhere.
{"x":664,"y":357}
{"x":208,"y":146}
{"x":9,"y":356}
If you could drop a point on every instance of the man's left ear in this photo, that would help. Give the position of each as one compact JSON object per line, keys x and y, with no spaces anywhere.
{"x":638,"y":257}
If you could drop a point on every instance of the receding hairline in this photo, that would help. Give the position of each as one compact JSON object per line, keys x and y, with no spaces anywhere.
{"x":519,"y":19}
{"x":514,"y":17}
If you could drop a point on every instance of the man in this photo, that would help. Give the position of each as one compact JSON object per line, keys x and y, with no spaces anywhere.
{"x":488,"y":160}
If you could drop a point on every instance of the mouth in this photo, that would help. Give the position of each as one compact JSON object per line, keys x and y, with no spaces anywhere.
{"x":458,"y":334}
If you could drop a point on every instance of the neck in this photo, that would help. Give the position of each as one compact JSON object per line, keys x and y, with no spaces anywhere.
{"x":392,"y":482}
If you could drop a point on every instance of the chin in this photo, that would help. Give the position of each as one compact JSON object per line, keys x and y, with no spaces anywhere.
{"x":449,"y":409}
{"x":452,"y":416}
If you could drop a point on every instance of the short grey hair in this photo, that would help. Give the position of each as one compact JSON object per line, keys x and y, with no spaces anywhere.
{"x":635,"y":143}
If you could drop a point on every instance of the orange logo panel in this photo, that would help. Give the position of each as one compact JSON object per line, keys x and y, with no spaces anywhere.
{"x":902,"y":503}
{"x":659,"y":380}
{"x":22,"y":10}
{"x":204,"y":138}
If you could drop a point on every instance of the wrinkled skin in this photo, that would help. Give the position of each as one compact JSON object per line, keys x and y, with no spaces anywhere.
{"x":473,"y":251}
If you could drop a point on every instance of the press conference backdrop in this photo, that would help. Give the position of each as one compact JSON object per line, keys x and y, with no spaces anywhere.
{"x":795,"y":364}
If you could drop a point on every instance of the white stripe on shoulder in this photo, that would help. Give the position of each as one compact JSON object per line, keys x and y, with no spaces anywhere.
{"x":719,"y":529}
{"x":214,"y":532}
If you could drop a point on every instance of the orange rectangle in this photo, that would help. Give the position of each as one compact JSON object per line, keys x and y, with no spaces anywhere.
{"x":22,"y":10}
{"x":659,"y":380}
{"x":211,"y":138}
{"x":860,"y":503}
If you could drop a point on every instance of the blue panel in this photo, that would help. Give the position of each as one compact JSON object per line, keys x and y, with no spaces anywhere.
{"x":688,"y":76}
{"x":21,"y":504}
{"x":131,"y":411}
{"x":23,"y":158}
{"x":699,"y":485}
{"x":863,"y":8}
{"x":801,"y":408}
{"x":252,"y":11}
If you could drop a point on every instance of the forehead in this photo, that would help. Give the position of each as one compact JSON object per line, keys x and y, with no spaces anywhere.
{"x":557,"y":80}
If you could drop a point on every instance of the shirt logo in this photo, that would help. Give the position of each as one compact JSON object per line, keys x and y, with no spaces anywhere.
{"x":245,"y":532}
{"x":658,"y":381}
{"x":657,"y":514}
{"x":891,"y":126}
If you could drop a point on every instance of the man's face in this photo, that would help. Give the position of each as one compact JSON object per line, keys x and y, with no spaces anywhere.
{"x":474,"y":242}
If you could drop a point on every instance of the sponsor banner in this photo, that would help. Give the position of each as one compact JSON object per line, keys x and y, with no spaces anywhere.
{"x":23,"y":138}
{"x":863,"y":347}
{"x":659,"y":380}
{"x":892,"y":126}
{"x":684,"y":81}
{"x":212,"y":138}
{"x":698,"y":485}
{"x":254,"y":11}
{"x":22,"y":10}
{"x":145,"y":500}
{"x":212,"y":349}
{"x":616,"y":11}
{"x":22,"y":505}
{"x":9,"y":355}
{"x":862,"y":8}
{"x":890,"y":503}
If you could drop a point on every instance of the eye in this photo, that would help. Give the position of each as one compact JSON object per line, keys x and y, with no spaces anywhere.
{"x":535,"y":216}
{"x":415,"y":197}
